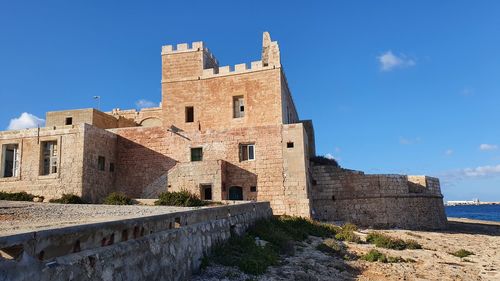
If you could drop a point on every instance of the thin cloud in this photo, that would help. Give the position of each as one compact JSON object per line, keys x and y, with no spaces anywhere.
{"x":449,"y":152}
{"x":389,"y":61}
{"x":408,"y":141}
{"x":454,"y":176}
{"x":143,"y":103}
{"x":25,"y":121}
{"x":487,"y":147}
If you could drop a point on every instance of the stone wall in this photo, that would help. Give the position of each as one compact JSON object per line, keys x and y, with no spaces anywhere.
{"x":67,"y":179}
{"x":144,"y":155}
{"x":377,"y":200}
{"x":89,"y":116}
{"x":97,"y":184}
{"x":162,"y":247}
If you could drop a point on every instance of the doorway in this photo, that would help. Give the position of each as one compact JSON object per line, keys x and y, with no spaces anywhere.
{"x":206,"y":191}
{"x":235,"y":193}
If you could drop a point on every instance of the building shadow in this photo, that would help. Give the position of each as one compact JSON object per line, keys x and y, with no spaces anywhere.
{"x":235,"y":177}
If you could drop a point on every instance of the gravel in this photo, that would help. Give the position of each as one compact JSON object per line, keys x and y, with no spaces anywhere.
{"x":19,"y":217}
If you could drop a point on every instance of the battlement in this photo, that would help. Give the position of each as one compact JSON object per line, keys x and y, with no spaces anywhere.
{"x":235,"y":69}
{"x":187,"y":47}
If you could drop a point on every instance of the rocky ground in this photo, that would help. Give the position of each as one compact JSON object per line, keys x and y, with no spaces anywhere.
{"x":18,"y":217}
{"x":433,"y":262}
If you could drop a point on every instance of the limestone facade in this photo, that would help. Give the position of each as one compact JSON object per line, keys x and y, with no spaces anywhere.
{"x":223,"y":132}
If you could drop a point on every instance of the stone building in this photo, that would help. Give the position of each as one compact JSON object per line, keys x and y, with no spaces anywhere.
{"x":223,"y":132}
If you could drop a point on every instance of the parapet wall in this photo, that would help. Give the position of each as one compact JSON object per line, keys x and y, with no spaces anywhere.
{"x":162,"y":247}
{"x":413,"y":202}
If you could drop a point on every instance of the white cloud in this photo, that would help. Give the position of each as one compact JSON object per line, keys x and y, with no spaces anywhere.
{"x":142,"y":103}
{"x":389,"y":61}
{"x":470,"y":173}
{"x":329,"y":156}
{"x":408,"y":141}
{"x":487,"y":147}
{"x":449,"y":152}
{"x":25,"y":121}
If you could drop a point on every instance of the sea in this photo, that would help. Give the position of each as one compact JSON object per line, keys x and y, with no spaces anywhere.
{"x":476,"y":212}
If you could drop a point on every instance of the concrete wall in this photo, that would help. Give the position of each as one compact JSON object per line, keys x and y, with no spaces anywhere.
{"x":377,"y":200}
{"x":68,"y":179}
{"x":163,"y":247}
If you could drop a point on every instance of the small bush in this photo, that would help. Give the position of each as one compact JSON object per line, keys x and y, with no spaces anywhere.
{"x":182,"y":198}
{"x":330,"y":247}
{"x":462,"y":253}
{"x":246,"y":255}
{"x":324,"y":161}
{"x":68,"y":199}
{"x":374,"y":255}
{"x":346,"y":233}
{"x":384,"y":241}
{"x":17,"y":196}
{"x":116,"y":198}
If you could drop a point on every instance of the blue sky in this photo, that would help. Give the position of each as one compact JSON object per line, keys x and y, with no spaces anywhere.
{"x":392,"y":86}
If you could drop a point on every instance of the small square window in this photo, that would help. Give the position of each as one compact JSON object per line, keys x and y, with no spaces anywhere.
{"x":247,"y":152}
{"x":111,"y":167}
{"x":253,"y":188}
{"x":69,"y":121}
{"x":196,"y":154}
{"x":289,"y":144}
{"x":101,"y":163}
{"x":189,"y":114}
{"x":238,"y":107}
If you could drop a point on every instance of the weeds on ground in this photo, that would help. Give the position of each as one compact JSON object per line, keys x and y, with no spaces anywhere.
{"x":68,"y":199}
{"x":246,"y":255}
{"x":346,"y":233}
{"x":385,"y":241}
{"x":462,"y":253}
{"x":117,"y":198}
{"x":374,"y":255}
{"x":17,"y":196}
{"x":280,"y":233}
{"x":182,"y":198}
{"x":331,"y":247}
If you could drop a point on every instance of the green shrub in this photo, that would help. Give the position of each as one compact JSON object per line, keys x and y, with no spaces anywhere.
{"x":413,"y":245}
{"x":346,"y":233}
{"x":68,"y":199}
{"x":462,"y":253}
{"x":374,"y":255}
{"x":116,"y":198}
{"x":330,"y":247}
{"x":245,"y":254}
{"x":324,"y":161}
{"x":384,"y":241}
{"x":17,"y":196}
{"x":182,"y":198}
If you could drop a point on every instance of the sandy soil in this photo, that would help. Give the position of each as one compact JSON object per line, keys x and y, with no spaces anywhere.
{"x":19,"y":217}
{"x":433,"y":262}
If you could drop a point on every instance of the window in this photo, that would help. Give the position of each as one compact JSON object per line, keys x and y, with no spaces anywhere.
{"x":196,"y":154}
{"x":69,"y":120}
{"x":10,"y":161}
{"x":247,"y":152}
{"x":189,"y":114}
{"x":111,"y":167}
{"x":49,"y":157}
{"x":289,"y":144}
{"x":253,"y":188}
{"x":101,"y":163}
{"x":238,"y":107}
